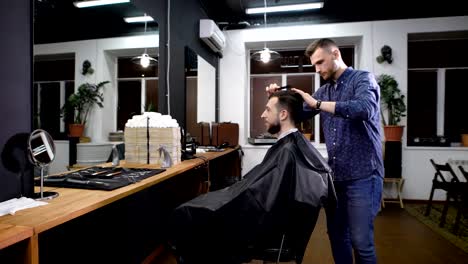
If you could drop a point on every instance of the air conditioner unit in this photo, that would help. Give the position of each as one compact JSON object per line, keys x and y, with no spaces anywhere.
{"x":212,"y":35}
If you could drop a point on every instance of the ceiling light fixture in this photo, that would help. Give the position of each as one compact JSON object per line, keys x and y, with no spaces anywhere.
{"x":138,"y":19}
{"x":284,"y":8}
{"x":144,"y":59}
{"x":82,"y":4}
{"x":265,"y":55}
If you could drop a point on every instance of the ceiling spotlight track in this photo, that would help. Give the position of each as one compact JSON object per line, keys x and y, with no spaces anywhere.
{"x":138,"y":19}
{"x":284,"y":8}
{"x":90,"y":3}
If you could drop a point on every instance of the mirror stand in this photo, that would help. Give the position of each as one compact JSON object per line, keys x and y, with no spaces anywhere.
{"x":42,"y":152}
{"x":41,"y":195}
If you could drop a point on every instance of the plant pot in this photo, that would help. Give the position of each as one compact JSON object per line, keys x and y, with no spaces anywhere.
{"x":393,"y":133}
{"x":308,"y":136}
{"x":464,"y":138}
{"x":75,"y":130}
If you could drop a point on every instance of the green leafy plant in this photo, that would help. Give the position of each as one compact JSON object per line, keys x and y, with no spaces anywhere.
{"x":150,"y":107}
{"x":81,"y":102}
{"x":391,"y":99}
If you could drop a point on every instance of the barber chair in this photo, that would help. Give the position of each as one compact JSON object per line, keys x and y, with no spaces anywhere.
{"x":283,"y":239}
{"x":290,"y":243}
{"x":270,"y":214}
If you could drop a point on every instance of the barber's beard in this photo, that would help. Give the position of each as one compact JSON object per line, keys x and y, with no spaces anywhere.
{"x":336,"y":67}
{"x":274,"y":128}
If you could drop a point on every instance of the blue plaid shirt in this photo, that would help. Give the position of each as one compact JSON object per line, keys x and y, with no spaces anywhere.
{"x":353,"y":133}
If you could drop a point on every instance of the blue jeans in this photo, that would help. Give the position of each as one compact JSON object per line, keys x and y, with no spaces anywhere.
{"x":351,"y":224}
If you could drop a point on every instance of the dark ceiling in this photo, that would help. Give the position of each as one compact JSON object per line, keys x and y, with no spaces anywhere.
{"x":231,"y":12}
{"x":60,"y":20}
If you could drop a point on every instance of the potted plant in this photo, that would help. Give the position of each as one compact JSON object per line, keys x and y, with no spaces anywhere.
{"x":394,"y":102}
{"x":464,"y":137}
{"x":80,"y":104}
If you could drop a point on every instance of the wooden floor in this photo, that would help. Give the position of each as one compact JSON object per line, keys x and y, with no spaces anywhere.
{"x":399,"y":238}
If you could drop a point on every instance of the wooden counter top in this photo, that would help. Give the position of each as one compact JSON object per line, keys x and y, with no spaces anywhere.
{"x":72,"y":203}
{"x":10,"y":234}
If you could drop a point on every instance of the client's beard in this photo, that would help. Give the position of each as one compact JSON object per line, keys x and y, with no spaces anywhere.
{"x":275,"y":128}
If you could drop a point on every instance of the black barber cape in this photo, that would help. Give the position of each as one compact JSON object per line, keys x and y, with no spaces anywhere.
{"x":280,"y":196}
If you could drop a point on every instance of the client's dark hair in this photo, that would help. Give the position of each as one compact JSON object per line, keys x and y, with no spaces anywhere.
{"x":290,"y":101}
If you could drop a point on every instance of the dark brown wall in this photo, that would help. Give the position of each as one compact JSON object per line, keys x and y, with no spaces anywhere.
{"x":16,"y":66}
{"x":184,"y":27}
{"x":15,"y":87}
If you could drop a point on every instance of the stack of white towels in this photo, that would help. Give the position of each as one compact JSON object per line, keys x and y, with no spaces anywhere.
{"x":145,"y":134}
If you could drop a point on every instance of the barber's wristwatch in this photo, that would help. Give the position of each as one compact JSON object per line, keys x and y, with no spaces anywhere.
{"x":317,"y":105}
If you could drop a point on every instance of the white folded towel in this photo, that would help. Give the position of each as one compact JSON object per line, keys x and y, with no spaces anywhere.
{"x":13,"y":205}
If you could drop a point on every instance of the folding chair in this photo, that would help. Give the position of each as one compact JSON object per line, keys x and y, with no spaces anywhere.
{"x":462,"y":205}
{"x":451,"y":186}
{"x":464,"y":173}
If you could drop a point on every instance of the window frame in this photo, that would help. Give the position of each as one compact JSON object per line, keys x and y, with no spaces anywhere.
{"x":36,"y":93}
{"x":316,"y":85}
{"x":440,"y":100}
{"x":142,"y":81}
{"x":353,"y":44}
{"x":451,"y":55}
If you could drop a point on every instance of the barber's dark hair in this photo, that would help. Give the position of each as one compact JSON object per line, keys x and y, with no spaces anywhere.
{"x":324,"y":43}
{"x":290,"y":101}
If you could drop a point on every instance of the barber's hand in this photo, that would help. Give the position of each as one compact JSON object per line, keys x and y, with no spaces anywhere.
{"x":312,"y":102}
{"x":270,"y":89}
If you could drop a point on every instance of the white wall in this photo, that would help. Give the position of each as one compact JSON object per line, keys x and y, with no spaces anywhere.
{"x":103,"y":54}
{"x":206,"y":95}
{"x":60,"y":163}
{"x":368,"y":37}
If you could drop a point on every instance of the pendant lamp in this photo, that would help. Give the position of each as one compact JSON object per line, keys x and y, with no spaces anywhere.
{"x":265,"y":55}
{"x":144,"y":59}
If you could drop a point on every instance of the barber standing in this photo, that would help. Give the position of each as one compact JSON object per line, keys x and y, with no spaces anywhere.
{"x":349,"y":106}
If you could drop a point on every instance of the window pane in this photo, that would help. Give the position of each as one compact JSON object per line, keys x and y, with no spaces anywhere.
{"x":295,"y":61}
{"x":456,"y":111}
{"x":129,"y":102}
{"x":258,"y":100}
{"x":54,"y":70}
{"x":422,"y":105}
{"x":347,"y":53}
{"x":450,"y":61}
{"x":151,"y":95}
{"x":48,"y":111}
{"x":437,"y":53}
{"x":46,"y":107}
{"x":69,"y":90}
{"x":291,"y":62}
{"x":191,"y":106}
{"x":128,"y":69}
{"x":49,"y":73}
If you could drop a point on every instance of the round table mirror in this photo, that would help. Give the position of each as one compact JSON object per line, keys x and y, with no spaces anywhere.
{"x":42,"y":153}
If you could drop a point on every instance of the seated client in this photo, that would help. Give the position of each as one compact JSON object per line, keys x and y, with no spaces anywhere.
{"x":276,"y":204}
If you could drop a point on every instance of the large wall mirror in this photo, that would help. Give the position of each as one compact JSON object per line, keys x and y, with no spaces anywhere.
{"x":200,"y":91}
{"x":65,"y":37}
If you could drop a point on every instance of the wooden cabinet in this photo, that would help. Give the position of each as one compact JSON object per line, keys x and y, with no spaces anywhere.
{"x":120,"y":226}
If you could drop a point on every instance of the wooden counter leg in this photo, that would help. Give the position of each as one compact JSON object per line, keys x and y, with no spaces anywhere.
{"x":161,"y":255}
{"x":32,"y":250}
